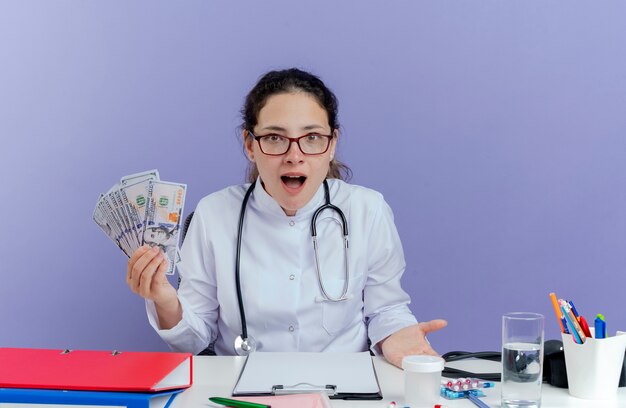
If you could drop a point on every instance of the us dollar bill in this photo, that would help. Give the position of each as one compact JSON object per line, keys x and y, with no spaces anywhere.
{"x":137,"y":177}
{"x":164,"y":212}
{"x":108,"y":220}
{"x":106,"y":225}
{"x":135,"y":198}
{"x":122,"y":214}
{"x":142,"y":209}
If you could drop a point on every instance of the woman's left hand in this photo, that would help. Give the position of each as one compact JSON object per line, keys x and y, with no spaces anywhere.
{"x":410,"y":341}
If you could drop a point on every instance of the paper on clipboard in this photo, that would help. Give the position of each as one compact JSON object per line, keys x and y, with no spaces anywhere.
{"x":348,"y":375}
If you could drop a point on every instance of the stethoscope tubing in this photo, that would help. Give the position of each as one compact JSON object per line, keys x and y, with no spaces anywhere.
{"x":328,"y":206}
{"x":242,"y":312}
{"x":245,"y":344}
{"x":344,"y":227}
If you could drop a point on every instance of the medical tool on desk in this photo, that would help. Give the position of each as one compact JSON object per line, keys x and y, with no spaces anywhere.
{"x":245,"y":344}
{"x":464,"y":384}
{"x":462,"y":355}
{"x":472,"y":395}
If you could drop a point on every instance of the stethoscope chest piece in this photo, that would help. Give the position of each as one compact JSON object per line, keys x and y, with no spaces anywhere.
{"x":244,"y":347}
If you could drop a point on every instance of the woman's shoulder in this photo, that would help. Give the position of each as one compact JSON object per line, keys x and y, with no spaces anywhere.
{"x":365,"y":205}
{"x":355,"y":191}
{"x":357,"y":198}
{"x":226,"y":198}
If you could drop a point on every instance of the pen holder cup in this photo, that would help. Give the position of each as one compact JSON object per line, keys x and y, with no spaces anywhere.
{"x":594,"y":367}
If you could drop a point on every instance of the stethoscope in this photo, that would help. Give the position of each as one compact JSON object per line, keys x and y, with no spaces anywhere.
{"x":245,"y":344}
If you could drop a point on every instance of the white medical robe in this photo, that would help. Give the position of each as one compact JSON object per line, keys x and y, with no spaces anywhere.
{"x":284,"y":307}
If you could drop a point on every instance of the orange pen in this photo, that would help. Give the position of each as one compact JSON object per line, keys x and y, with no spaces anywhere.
{"x":559,"y":316}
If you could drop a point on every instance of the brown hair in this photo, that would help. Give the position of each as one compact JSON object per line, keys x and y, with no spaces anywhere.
{"x":285,"y":81}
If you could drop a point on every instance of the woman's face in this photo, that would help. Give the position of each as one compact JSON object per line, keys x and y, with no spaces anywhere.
{"x":293,"y":178}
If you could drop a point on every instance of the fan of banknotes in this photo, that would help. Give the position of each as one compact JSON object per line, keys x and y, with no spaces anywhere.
{"x":143,"y":210}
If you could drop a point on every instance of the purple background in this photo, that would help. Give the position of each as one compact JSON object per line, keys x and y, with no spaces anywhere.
{"x":496,"y":131}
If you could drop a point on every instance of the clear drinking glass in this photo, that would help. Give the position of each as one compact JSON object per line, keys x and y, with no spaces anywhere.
{"x":522,"y":359}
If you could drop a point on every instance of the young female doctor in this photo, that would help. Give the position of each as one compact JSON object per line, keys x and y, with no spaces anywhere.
{"x":253,"y":277}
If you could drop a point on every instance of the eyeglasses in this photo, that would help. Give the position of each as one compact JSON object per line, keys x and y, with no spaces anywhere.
{"x":277,"y":145}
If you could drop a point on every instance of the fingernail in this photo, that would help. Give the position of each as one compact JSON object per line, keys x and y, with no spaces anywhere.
{"x":155,"y":249}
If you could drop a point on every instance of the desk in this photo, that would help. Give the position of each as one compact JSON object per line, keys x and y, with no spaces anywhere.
{"x":216,"y":376}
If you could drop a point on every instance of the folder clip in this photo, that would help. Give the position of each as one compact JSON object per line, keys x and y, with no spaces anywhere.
{"x":303,"y":388}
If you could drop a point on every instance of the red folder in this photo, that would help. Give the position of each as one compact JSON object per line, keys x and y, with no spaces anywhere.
{"x":94,"y":370}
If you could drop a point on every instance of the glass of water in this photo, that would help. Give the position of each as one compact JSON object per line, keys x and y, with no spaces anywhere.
{"x":522,"y":360}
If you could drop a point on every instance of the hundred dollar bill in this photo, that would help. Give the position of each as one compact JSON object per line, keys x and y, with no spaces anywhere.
{"x":122,"y":213}
{"x":124,"y":216}
{"x":112,"y":208}
{"x":137,"y":177}
{"x":108,"y":208}
{"x":164,"y":211}
{"x":105,"y":224}
{"x":108,"y":222}
{"x":118,"y":220}
{"x":135,"y":197}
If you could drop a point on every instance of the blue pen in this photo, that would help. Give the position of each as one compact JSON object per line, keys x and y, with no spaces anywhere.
{"x":476,"y":401}
{"x":600,"y":325}
{"x":577,"y":338}
{"x":566,"y":331}
{"x":573,"y":308}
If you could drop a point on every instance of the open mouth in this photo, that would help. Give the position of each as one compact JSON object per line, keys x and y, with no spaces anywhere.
{"x":293,"y":182}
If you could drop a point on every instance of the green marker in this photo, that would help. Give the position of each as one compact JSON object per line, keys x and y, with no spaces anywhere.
{"x":236,"y":403}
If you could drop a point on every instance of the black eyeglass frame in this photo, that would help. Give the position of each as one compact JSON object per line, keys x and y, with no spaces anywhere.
{"x":291,"y":140}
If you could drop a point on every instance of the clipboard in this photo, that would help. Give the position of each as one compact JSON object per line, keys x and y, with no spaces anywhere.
{"x":349,"y":376}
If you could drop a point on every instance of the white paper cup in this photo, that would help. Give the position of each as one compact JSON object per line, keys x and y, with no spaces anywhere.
{"x":422,"y":380}
{"x":594,"y":367}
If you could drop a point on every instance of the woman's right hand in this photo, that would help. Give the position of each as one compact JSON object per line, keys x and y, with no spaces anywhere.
{"x":146,"y":276}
